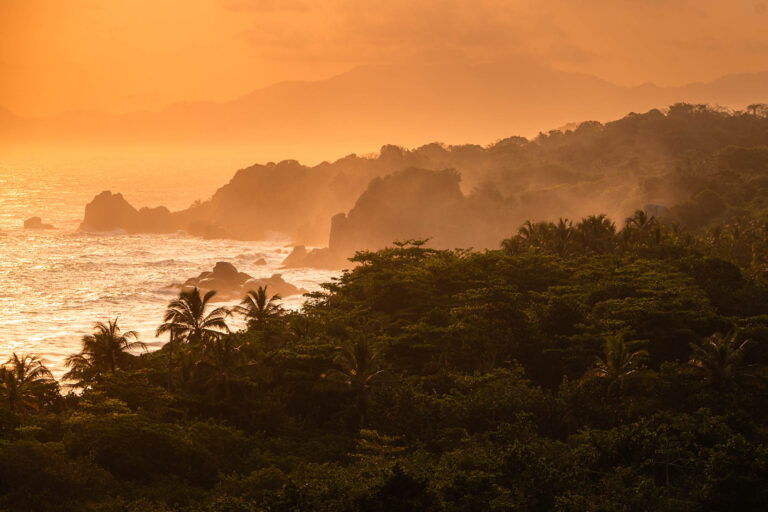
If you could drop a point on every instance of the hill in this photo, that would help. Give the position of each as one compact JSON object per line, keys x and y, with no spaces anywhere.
{"x":704,"y":164}
{"x":407,"y":104}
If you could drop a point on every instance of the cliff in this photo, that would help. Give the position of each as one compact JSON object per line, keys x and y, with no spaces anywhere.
{"x":465,"y":195}
{"x":420,"y":204}
{"x":108,"y":212}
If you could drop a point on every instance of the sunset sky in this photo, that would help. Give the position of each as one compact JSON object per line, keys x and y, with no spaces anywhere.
{"x":144,"y":54}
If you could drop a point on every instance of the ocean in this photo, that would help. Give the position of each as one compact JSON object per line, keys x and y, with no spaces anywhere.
{"x":55,"y":284}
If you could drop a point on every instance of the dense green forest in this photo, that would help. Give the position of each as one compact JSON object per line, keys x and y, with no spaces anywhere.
{"x":578,"y":367}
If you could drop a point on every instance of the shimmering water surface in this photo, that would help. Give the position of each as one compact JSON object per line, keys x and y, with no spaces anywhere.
{"x":55,"y":284}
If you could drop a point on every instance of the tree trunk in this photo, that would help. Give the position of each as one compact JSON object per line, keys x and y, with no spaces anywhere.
{"x":170,"y":362}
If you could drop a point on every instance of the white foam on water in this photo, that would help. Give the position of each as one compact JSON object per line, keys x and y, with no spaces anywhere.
{"x":55,"y":284}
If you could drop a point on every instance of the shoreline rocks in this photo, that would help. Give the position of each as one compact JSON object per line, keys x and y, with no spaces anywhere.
{"x":231,"y":284}
{"x":323,"y":258}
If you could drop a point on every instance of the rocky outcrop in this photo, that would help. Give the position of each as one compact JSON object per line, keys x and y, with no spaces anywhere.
{"x":411,"y":200}
{"x":231,"y":284}
{"x":418,"y":204}
{"x":36,"y":223}
{"x":286,"y":197}
{"x":322,"y":258}
{"x":296,"y":257}
{"x":110,"y":212}
{"x":275,"y":284}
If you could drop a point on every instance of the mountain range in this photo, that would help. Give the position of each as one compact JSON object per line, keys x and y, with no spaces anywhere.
{"x":408,"y":104}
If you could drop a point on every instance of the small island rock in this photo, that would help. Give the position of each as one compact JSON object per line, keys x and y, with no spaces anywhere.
{"x":36,"y":223}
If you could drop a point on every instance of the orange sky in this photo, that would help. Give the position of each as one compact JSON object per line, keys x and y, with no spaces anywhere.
{"x":122,"y":56}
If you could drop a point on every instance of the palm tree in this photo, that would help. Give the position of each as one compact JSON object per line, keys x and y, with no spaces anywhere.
{"x":720,"y":358}
{"x":618,"y":363}
{"x":641,"y":228}
{"x":22,"y":380}
{"x":563,"y":233}
{"x":535,"y":234}
{"x":357,"y":362}
{"x":186,"y":319}
{"x":511,"y":245}
{"x":596,"y":233}
{"x":640,"y":220}
{"x":221,"y":360}
{"x":258,"y":308}
{"x":105,"y":351}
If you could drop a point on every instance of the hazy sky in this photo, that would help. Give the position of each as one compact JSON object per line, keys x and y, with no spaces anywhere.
{"x":120,"y":56}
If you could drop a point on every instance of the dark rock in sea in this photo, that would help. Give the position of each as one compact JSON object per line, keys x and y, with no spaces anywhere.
{"x":296,"y":258}
{"x":36,"y":223}
{"x":323,"y":258}
{"x":109,"y":212}
{"x":286,"y":197}
{"x":230,"y":284}
{"x":275,"y":285}
{"x":225,"y":270}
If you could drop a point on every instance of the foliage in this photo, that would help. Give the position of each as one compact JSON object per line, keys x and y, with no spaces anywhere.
{"x":105,"y":351}
{"x":575,"y":368}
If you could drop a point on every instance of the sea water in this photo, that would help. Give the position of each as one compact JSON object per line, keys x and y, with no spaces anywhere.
{"x":54,"y":284}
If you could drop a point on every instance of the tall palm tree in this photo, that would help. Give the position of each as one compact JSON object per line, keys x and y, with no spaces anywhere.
{"x":720,"y":358}
{"x":641,"y":228}
{"x":536,"y":234}
{"x":105,"y":351}
{"x":357,"y":362}
{"x":221,"y":359}
{"x":511,"y":245}
{"x":563,"y":234}
{"x":640,"y":220}
{"x":22,"y":380}
{"x":618,"y":364}
{"x":258,"y":308}
{"x":186,"y":319}
{"x":596,"y":233}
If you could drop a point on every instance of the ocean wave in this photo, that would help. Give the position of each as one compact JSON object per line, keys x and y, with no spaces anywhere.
{"x":164,"y":263}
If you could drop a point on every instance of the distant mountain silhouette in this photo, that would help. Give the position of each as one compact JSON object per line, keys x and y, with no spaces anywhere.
{"x":409,"y":104}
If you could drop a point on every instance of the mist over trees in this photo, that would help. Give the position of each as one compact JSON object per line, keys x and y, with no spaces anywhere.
{"x":701,"y":163}
{"x":589,"y":361}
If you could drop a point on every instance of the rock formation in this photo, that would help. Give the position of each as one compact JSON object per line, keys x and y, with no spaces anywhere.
{"x":109,"y":212}
{"x":323,"y":258}
{"x":406,"y":194}
{"x":230,"y":284}
{"x":419,"y":204}
{"x":36,"y":223}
